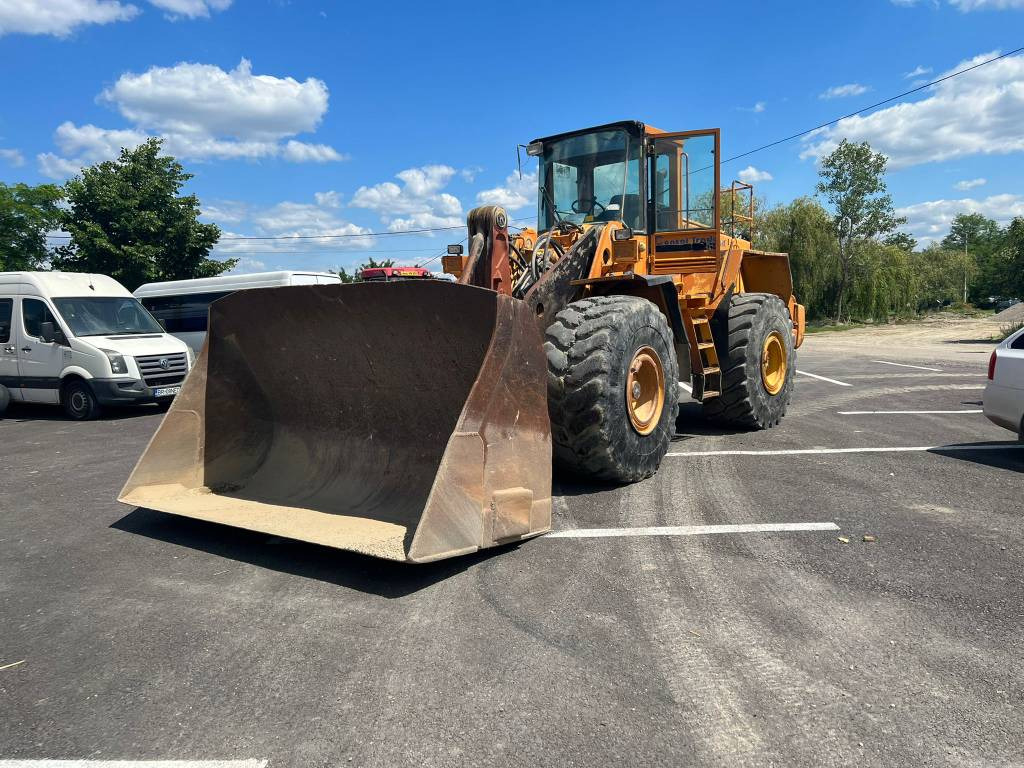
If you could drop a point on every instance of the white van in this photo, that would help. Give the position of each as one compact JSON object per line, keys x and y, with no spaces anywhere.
{"x":183,"y":305}
{"x":83,"y":341}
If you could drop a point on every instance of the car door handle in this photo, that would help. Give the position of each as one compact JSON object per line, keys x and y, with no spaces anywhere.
{"x":26,"y":349}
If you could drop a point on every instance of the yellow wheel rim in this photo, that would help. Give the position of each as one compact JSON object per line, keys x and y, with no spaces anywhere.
{"x":645,"y":390}
{"x":773,"y":363}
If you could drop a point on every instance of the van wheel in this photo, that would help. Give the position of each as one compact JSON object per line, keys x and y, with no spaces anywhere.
{"x":78,"y":401}
{"x":5,"y":399}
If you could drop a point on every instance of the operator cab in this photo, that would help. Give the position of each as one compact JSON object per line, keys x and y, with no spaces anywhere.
{"x":649,"y":180}
{"x":591,"y":176}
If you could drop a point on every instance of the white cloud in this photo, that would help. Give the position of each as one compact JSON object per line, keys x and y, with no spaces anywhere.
{"x":917,"y":72}
{"x":752,"y":175}
{"x":247,"y":265}
{"x":328,"y":199}
{"x":469,"y":173}
{"x":54,"y":167}
{"x":418,"y":204}
{"x":965,"y":6}
{"x":202,"y":112}
{"x":842,"y":91}
{"x":12,"y":157}
{"x":758,"y":107}
{"x":190,"y":9}
{"x":976,"y":113}
{"x":226,"y":212}
{"x":301,"y":152}
{"x":515,"y":194}
{"x":204,"y":99}
{"x":59,"y":17}
{"x":970,"y":183}
{"x":300,"y":226}
{"x":929,"y":221}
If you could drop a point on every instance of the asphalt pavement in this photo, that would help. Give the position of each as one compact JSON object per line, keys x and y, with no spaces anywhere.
{"x":127,"y":634}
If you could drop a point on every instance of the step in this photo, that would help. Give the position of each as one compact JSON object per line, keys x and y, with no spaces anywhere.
{"x":705,"y":345}
{"x":711,"y":393}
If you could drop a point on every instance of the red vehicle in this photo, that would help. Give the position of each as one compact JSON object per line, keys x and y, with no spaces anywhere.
{"x":387,"y":274}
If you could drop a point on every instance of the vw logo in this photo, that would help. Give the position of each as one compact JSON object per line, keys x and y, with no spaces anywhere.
{"x":164,"y":363}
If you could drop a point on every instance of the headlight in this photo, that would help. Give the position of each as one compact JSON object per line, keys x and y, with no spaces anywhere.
{"x":117,"y":364}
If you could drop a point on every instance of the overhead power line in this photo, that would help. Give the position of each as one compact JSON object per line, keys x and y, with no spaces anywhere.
{"x":876,"y":104}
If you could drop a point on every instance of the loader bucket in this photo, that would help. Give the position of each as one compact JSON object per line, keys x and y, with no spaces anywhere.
{"x":403,"y":420}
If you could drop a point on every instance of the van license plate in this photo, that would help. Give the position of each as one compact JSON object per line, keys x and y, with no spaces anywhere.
{"x":166,"y":391}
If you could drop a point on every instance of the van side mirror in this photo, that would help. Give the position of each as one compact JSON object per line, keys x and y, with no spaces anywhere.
{"x":46,"y":332}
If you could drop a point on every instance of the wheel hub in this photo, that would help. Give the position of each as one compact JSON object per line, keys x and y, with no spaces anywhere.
{"x":773,"y":363}
{"x":645,"y":390}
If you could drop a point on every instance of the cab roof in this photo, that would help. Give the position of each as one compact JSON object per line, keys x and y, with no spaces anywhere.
{"x":634,"y":127}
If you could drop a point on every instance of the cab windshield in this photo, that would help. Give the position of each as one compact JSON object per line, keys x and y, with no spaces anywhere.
{"x":591,"y":177}
{"x":104,"y":316}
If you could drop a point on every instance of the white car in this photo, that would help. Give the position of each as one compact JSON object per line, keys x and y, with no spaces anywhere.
{"x":1004,"y":394}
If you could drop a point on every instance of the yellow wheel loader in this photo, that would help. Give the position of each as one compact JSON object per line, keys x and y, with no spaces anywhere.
{"x":417,"y":420}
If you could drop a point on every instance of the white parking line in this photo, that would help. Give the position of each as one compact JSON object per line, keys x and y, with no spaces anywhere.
{"x":905,"y":365}
{"x":895,"y":449}
{"x":133,"y":763}
{"x":866,"y":413}
{"x":686,"y":386}
{"x":689,"y":530}
{"x":823,"y":378}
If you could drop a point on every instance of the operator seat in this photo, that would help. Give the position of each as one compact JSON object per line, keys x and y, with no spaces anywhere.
{"x":629,"y":209}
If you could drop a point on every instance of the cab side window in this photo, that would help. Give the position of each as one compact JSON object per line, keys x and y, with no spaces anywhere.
{"x":6,"y":309}
{"x":33,"y":314}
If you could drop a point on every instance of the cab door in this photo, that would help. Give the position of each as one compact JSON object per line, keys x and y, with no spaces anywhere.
{"x":684,"y":170}
{"x":9,"y":349}
{"x":39,"y":362}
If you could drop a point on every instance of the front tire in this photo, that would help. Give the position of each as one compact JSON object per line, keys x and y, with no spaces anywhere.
{"x":755,"y":348}
{"x":613,"y":384}
{"x":78,"y":401}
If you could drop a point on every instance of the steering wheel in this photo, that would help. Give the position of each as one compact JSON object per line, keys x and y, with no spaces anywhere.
{"x":577,"y":204}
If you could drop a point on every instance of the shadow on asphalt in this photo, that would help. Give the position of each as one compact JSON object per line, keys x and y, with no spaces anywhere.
{"x":1011,"y":459}
{"x":692,"y":423}
{"x":22,"y":412}
{"x":311,"y":561}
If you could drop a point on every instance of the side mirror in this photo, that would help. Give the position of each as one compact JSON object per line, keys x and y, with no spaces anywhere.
{"x":46,"y":332}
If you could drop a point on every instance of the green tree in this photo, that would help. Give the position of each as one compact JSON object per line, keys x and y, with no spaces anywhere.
{"x":26,"y":215}
{"x":127,"y":220}
{"x":1013,"y":257}
{"x":982,"y":239}
{"x":852,"y":181}
{"x":803,"y":229}
{"x":903,"y":241}
{"x":939,"y":276}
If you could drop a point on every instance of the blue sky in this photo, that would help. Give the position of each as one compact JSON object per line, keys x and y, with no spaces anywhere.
{"x":319,"y":118}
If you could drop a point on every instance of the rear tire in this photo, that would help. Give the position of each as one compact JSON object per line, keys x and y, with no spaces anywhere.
{"x":78,"y":401}
{"x":5,"y":399}
{"x":757,"y":326}
{"x":597,"y":429}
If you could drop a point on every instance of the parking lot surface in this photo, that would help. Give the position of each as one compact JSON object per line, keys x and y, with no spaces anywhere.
{"x":127,"y":634}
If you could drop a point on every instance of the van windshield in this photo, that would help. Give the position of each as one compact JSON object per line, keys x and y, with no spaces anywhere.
{"x":104,"y":316}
